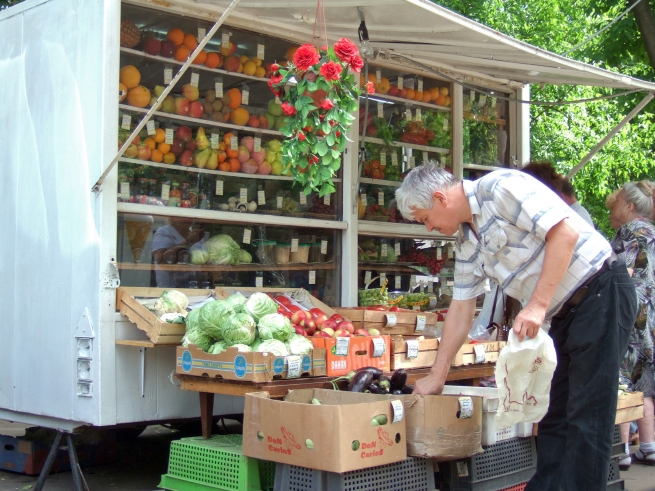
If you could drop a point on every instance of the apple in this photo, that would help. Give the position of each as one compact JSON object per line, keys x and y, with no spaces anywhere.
{"x":321,"y":334}
{"x":346,"y":326}
{"x":190,"y":92}
{"x":361,"y":332}
{"x":310,"y":327}
{"x":373,"y":332}
{"x":195,"y":109}
{"x":329,"y":324}
{"x":186,"y":159}
{"x":167,"y":49}
{"x":143,"y":152}
{"x":328,"y":333}
{"x":181,"y":106}
{"x":336,"y":318}
{"x":300,"y":330}
{"x":316,"y":312}
{"x":177,"y":147}
{"x":298,"y":316}
{"x":320,"y":320}
{"x":342,"y":333}
{"x":131,"y":151}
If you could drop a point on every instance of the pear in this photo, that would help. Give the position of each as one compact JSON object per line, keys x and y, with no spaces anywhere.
{"x":202,"y":142}
{"x":212,"y":162}
{"x":202,"y":157}
{"x":159,"y":89}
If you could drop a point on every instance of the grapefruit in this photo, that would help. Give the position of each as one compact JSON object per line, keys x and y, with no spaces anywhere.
{"x":130,"y":76}
{"x":139,"y":96}
{"x":240,"y":116}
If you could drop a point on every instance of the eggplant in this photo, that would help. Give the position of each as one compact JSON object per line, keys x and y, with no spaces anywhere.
{"x":408,"y":389}
{"x":377,"y":373}
{"x":360,"y":382}
{"x":397,"y":392}
{"x":374,"y":388}
{"x":385,"y":384}
{"x":398,"y":379}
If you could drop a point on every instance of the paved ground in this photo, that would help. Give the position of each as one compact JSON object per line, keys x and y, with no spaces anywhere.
{"x":141,"y":463}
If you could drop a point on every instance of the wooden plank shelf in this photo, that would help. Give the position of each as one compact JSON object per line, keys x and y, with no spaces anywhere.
{"x":223,"y":268}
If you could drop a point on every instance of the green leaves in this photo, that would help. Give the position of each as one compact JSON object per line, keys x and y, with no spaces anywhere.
{"x":321,"y":148}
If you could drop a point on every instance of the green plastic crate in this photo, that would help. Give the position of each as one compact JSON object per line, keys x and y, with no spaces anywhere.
{"x":217,"y":463}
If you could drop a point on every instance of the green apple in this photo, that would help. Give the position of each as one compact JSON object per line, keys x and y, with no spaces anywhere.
{"x":274,"y":108}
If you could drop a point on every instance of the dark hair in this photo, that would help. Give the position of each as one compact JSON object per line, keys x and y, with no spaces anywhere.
{"x":567,"y":188}
{"x":545,"y":173}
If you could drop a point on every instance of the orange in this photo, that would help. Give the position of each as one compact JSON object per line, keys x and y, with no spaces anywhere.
{"x":290,"y":52}
{"x":260,"y":72}
{"x":226,"y":138}
{"x":190,"y":42}
{"x":371,"y":78}
{"x":427,"y":96}
{"x":434,"y":92}
{"x":122,"y":92}
{"x":384,"y":86}
{"x":214,"y":60}
{"x":159,"y":136}
{"x":201,"y":58}
{"x":441,"y":100}
{"x":150,"y":143}
{"x":443,"y":91}
{"x":418,"y":96}
{"x":130,"y":76}
{"x":225,"y":166}
{"x":156,"y":156}
{"x":235,"y":97}
{"x":182,"y":53}
{"x":139,"y":96}
{"x":235,"y":165}
{"x":176,"y":35}
{"x":410,"y":94}
{"x":226,"y":119}
{"x":169,"y":158}
{"x":164,"y":148}
{"x":231,"y":154}
{"x":240,"y":116}
{"x":222,"y":156}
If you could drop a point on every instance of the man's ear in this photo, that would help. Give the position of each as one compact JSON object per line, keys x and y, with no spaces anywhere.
{"x":440,"y":197}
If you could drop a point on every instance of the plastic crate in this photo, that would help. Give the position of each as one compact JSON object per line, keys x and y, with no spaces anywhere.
{"x":217,"y":463}
{"x":617,"y":446}
{"x":413,"y":474}
{"x":518,"y":487}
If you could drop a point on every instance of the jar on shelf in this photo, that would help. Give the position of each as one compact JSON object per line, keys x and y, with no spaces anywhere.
{"x":282,"y":252}
{"x":124,"y":191}
{"x":194,"y":197}
{"x":185,"y":198}
{"x":301,"y":255}
{"x":175,"y":195}
{"x":315,"y":255}
{"x":152,"y":192}
{"x":265,"y":250}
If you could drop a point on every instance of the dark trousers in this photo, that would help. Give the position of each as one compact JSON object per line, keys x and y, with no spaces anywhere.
{"x":575,"y":437}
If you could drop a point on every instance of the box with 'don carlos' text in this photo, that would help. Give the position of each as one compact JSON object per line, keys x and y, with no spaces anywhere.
{"x":337,"y":435}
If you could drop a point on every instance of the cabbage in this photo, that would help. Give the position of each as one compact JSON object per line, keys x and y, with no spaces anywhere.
{"x":255,"y":344}
{"x":201,"y":339}
{"x":273,"y":346}
{"x":199,"y":256}
{"x":212,"y":317}
{"x":258,"y":305}
{"x":173,"y":318}
{"x":171,"y":301}
{"x":218,"y":347}
{"x":192,"y":320}
{"x":242,"y":348}
{"x":237,"y":302}
{"x":274,"y":326}
{"x":239,"y":329}
{"x":222,"y":250}
{"x":299,"y":345}
{"x":244,"y":256}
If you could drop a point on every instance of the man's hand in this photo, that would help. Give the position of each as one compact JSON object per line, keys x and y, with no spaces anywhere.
{"x":430,"y":385}
{"x":529,"y":321}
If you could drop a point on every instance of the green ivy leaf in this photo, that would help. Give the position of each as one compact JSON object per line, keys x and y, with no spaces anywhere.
{"x":335,"y":164}
{"x":327,"y":129}
{"x":327,"y":159}
{"x":335,"y":153}
{"x":322,"y":148}
{"x":312,"y":86}
{"x":329,"y":139}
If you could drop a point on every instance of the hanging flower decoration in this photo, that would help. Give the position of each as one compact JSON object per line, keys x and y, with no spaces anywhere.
{"x":318,"y":109}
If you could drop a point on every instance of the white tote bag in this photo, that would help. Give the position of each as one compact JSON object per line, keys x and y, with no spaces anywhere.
{"x":524,"y":371}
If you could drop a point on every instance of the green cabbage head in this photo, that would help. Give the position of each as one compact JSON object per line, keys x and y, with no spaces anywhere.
{"x":239,"y":329}
{"x":171,"y":302}
{"x":201,"y":339}
{"x":299,"y":345}
{"x":212,"y":317}
{"x":236,"y":301}
{"x":274,"y":326}
{"x":258,"y":305}
{"x":222,"y":250}
{"x":273,"y":346}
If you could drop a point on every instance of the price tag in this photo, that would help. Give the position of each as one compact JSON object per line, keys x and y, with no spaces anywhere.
{"x":430,"y":287}
{"x":383,"y":158}
{"x":261,"y":198}
{"x":294,"y":245}
{"x":312,"y":277}
{"x":446,"y":124}
{"x":383,"y":279}
{"x":398,"y":411}
{"x":394,"y":159}
{"x":246,"y":235}
{"x":378,"y":347}
{"x":278,"y":202}
{"x":392,"y":320}
{"x":416,"y":308}
{"x":400,"y":82}
{"x":303,"y":198}
{"x":195,"y":79}
{"x":451,"y":253}
{"x":294,"y":366}
{"x":219,"y":187}
{"x":396,"y":282}
{"x":165,"y":192}
{"x":150,"y":127}
{"x":218,"y":87}
{"x":258,"y":144}
{"x":126,"y":123}
{"x":412,"y":348}
{"x":342,"y":346}
{"x":260,"y":51}
{"x":493,"y":102}
{"x":439,"y":253}
{"x":202,"y":33}
{"x":245,"y":94}
{"x":125,"y":190}
{"x":225,"y":38}
{"x":383,"y":250}
{"x":326,"y":200}
{"x":277,"y":100}
{"x":420,"y":323}
{"x":462,"y":468}
{"x":408,"y":114}
{"x":259,"y":281}
{"x":417,"y":117}
{"x":465,"y":407}
{"x":433,"y":303}
{"x":480,"y":353}
{"x":169,"y":136}
{"x":396,"y":248}
{"x":213,"y":141}
{"x":380,"y":198}
{"x":363,"y":199}
{"x":243,"y":196}
{"x":482,"y":101}
{"x":378,"y":75}
{"x":420,"y":84}
{"x":367,"y":277}
{"x":472,"y":96}
{"x":412,"y":162}
{"x":412,"y":280}
{"x":380,"y":110}
{"x":324,"y":247}
{"x":168,"y":75}
{"x":234,"y":143}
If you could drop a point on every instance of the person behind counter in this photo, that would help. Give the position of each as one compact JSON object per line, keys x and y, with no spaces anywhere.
{"x":514,"y":230}
{"x":168,"y":241}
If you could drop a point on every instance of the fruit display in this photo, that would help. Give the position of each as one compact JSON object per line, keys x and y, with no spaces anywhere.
{"x":423,"y":257}
{"x":373,"y":296}
{"x":436,"y":95}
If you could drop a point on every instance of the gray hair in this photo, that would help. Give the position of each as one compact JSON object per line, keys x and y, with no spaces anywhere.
{"x":419,"y":186}
{"x":639,"y":194}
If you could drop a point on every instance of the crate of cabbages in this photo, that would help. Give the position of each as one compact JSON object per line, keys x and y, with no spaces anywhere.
{"x":392,"y":320}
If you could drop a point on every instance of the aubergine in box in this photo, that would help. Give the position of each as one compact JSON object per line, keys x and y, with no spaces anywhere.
{"x":335,"y":436}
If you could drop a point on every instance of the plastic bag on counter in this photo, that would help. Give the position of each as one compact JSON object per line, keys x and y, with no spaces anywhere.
{"x":524,"y":371}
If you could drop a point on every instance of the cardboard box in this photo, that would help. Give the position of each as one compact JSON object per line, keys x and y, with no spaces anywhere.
{"x":435,"y":426}
{"x":360,"y":354}
{"x":425,"y":357}
{"x":248,"y":367}
{"x":478,"y":352}
{"x":404,"y":323}
{"x":335,"y":436}
{"x":629,"y":407}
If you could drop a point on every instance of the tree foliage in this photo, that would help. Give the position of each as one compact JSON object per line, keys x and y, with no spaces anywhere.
{"x":565,"y":134}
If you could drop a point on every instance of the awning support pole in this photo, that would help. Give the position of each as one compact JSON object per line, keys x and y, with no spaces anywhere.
{"x":97,"y":186}
{"x":609,"y":136}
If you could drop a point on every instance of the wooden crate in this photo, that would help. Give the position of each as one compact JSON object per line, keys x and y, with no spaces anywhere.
{"x":630,"y":407}
{"x":377,"y":319}
{"x":427,"y":352}
{"x":467,"y":355}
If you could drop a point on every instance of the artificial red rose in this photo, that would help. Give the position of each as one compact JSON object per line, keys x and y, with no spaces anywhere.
{"x":305,"y":57}
{"x":346,"y":50}
{"x":275,"y":91}
{"x":275,"y":67}
{"x":326,"y":105}
{"x":288,"y":109}
{"x":370,"y":88}
{"x":357,"y":64}
{"x":331,"y":71}
{"x":276,"y":79}
{"x":301,"y":136}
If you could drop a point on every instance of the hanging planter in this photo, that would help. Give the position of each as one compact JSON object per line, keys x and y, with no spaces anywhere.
{"x":318,"y":109}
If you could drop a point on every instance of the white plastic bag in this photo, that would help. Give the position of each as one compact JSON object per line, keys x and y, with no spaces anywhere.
{"x":524,"y":371}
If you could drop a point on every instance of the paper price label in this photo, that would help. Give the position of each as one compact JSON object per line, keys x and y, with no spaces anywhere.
{"x":417,"y":117}
{"x":367,"y":277}
{"x":260,"y":51}
{"x":398,"y":411}
{"x":383,"y":250}
{"x":472,"y":96}
{"x":202,"y":33}
{"x":420,"y":323}
{"x":378,"y":347}
{"x":247,"y":233}
{"x":225,"y":38}
{"x":245,"y":95}
{"x":243,"y":196}
{"x":278,"y":202}
{"x":326,"y":200}
{"x":416,"y":308}
{"x":378,"y":75}
{"x":430,"y":287}
{"x":462,"y":468}
{"x":218,"y":88}
{"x":168,"y":75}
{"x":259,"y":281}
{"x":342,"y":347}
{"x":380,"y":110}
{"x":219,"y":187}
{"x":451,"y":253}
{"x":363,"y":198}
{"x":213,"y":141}
{"x":261,"y":198}
{"x":169,"y":136}
{"x":294,"y":366}
{"x":383,"y":158}
{"x":400,"y":82}
{"x":420,"y":84}
{"x":312,"y":277}
{"x":482,"y":101}
{"x":391,"y":320}
{"x":303,"y":198}
{"x":277,"y":100}
{"x":493,"y":102}
{"x":294,"y":245}
{"x":425,"y":156}
{"x":324,"y":247}
{"x":394,"y":159}
{"x":446,"y":124}
{"x":396,"y":282}
{"x":412,"y":162}
{"x":412,"y":348}
{"x":126,"y":123}
{"x":381,"y":198}
{"x":258,"y":144}
{"x":412,"y":280}
{"x":439,"y":253}
{"x":125,"y":190}
{"x":433,"y":303}
{"x":383,"y":279}
{"x":408,"y":114}
{"x":165,"y":192}
{"x":465,"y":407}
{"x":195,"y":79}
{"x":234,"y":143}
{"x":480,"y":353}
{"x":396,"y":248}
{"x":150,"y":127}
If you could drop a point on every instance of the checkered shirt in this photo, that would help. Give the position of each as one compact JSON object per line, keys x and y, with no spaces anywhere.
{"x":512,"y":213}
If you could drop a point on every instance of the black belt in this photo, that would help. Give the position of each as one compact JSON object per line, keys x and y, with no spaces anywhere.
{"x":581,"y":293}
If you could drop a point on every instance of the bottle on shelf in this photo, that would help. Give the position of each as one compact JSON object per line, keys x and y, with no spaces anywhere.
{"x":175,"y":195}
